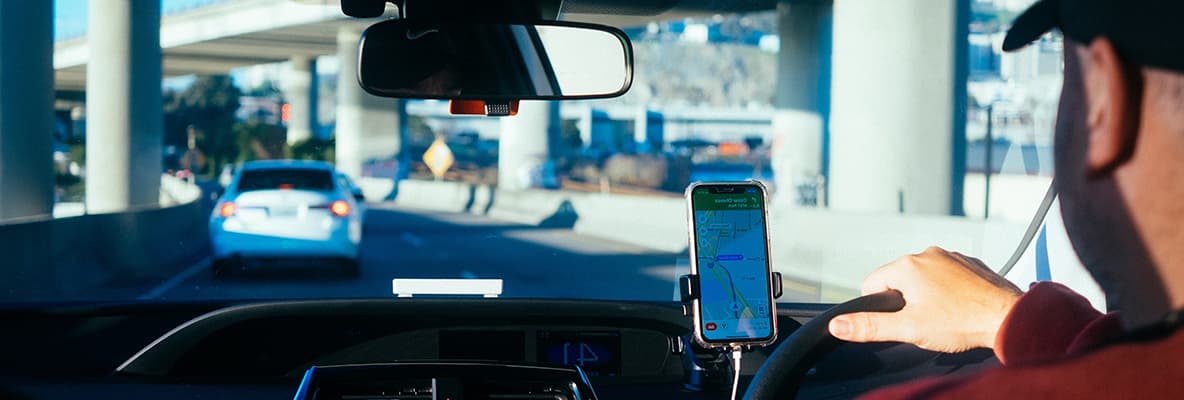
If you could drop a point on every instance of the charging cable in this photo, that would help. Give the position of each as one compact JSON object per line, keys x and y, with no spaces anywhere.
{"x":736,"y":351}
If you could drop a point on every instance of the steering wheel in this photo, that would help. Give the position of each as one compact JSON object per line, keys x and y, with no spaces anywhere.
{"x":783,"y":371}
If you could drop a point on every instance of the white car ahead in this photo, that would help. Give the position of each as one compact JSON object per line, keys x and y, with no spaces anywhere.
{"x":288,"y":213}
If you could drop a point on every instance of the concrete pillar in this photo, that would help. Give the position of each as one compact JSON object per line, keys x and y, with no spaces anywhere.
{"x":524,"y":148}
{"x":123,"y":106}
{"x":300,"y":89}
{"x":893,"y":106}
{"x":367,"y":125}
{"x":803,"y":95}
{"x":26,"y":109}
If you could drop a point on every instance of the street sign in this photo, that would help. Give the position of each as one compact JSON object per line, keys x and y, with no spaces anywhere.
{"x":438,"y":158}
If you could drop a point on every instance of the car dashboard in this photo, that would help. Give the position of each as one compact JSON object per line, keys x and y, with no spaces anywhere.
{"x":267,"y":350}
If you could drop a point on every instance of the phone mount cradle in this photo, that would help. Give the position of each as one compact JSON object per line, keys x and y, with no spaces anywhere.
{"x":688,"y":289}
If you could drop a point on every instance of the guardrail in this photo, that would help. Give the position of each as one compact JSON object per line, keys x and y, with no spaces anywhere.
{"x":103,"y":256}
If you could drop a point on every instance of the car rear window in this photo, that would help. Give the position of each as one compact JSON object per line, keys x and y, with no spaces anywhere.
{"x":299,"y":179}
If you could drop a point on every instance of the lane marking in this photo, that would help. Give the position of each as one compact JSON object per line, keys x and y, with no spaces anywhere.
{"x":411,"y":239}
{"x":197,"y":268}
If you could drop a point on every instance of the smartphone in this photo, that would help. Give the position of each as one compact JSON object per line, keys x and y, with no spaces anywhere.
{"x":729,"y":248}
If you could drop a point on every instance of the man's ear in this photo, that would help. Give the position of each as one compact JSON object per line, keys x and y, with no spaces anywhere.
{"x":1112,"y":102}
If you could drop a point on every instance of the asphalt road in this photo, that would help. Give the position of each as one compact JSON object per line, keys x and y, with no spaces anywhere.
{"x":403,"y":243}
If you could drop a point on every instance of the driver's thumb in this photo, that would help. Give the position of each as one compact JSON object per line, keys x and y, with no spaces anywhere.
{"x":866,"y":327}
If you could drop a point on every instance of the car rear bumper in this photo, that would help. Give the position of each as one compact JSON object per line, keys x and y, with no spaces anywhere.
{"x":228,"y":244}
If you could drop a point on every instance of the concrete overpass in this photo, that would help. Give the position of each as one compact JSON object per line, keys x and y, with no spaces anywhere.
{"x":226,"y":34}
{"x":215,"y":38}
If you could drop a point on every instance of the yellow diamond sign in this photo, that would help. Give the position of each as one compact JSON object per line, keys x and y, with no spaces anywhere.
{"x":438,"y":158}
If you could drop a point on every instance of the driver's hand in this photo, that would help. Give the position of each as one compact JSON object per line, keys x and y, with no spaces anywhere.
{"x":953,"y":303}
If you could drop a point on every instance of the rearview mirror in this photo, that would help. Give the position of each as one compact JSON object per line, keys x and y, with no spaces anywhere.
{"x":486,"y":61}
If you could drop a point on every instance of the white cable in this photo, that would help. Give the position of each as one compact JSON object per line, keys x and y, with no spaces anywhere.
{"x":735,"y":371}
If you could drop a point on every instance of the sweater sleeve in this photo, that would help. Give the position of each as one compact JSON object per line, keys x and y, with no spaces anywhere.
{"x":1049,"y":322}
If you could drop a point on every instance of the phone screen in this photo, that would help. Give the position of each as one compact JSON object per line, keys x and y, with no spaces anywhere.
{"x":732,"y":263}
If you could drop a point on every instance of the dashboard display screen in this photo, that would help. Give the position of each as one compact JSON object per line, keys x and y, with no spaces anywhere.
{"x":597,"y":353}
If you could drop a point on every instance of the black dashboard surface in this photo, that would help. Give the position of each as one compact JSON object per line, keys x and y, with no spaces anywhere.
{"x":259,"y":350}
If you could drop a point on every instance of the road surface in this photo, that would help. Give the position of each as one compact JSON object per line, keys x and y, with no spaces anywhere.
{"x":406,"y":243}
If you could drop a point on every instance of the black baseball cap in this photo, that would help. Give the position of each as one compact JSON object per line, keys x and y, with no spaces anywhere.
{"x":1145,"y":32}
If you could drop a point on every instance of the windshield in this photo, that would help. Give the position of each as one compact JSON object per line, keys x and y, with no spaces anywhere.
{"x":878,"y":133}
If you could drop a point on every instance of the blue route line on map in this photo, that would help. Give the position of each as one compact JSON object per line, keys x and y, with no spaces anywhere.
{"x":731,"y":284}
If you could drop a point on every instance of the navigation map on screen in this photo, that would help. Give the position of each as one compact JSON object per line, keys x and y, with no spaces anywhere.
{"x":730,"y":247}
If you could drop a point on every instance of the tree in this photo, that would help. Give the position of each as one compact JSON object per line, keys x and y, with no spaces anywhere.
{"x":209,"y":105}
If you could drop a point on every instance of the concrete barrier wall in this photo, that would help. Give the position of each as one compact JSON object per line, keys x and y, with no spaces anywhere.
{"x":613,"y":217}
{"x":100,"y":256}
{"x":654,"y":222}
{"x":437,"y":196}
{"x":375,"y":189}
{"x":175,"y":191}
{"x":831,"y":252}
{"x":533,"y":207}
{"x":823,"y":254}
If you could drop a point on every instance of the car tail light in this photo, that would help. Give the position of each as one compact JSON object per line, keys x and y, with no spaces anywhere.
{"x":227,"y":209}
{"x":339,"y":208}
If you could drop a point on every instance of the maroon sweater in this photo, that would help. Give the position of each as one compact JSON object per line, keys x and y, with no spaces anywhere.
{"x":1050,"y":346}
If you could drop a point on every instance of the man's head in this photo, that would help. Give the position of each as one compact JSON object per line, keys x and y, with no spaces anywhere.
{"x":1120,"y":145}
